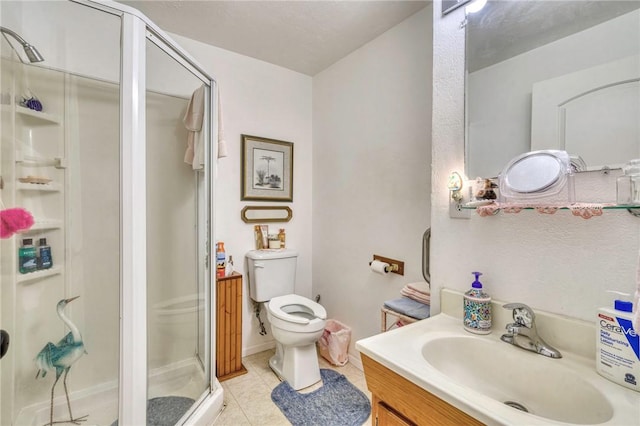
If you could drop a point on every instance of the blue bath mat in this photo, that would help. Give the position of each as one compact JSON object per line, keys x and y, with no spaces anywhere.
{"x":166,"y":410}
{"x":336,"y":403}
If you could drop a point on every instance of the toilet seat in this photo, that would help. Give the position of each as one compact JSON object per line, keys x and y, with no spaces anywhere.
{"x":282,"y":307}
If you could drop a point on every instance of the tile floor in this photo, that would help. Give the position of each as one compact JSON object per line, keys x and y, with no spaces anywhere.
{"x":248,"y":397}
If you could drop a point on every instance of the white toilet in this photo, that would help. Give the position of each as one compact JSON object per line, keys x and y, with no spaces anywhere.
{"x":296,"y":322}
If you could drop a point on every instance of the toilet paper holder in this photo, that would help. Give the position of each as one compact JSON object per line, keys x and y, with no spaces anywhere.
{"x":395,"y":266}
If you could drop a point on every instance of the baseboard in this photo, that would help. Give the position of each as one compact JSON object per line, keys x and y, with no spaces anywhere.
{"x":355,"y":360}
{"x":250,"y":350}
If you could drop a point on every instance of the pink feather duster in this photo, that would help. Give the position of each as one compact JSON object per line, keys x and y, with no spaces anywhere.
{"x":14,"y":220}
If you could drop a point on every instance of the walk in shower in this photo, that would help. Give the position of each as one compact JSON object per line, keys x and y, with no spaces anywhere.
{"x":106,"y":219}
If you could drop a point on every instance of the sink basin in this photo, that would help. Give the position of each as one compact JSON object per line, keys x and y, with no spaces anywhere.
{"x":524,"y":380}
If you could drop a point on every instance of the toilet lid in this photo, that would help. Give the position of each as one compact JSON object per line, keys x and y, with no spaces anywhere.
{"x":280,"y":307}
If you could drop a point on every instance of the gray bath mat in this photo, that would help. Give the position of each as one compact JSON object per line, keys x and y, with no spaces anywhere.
{"x":336,"y":403}
{"x":165,"y":410}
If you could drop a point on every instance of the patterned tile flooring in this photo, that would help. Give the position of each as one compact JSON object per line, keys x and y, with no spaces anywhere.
{"x":248,"y":397}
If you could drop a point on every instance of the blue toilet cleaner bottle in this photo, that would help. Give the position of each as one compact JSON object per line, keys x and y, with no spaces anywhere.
{"x":477,"y":308}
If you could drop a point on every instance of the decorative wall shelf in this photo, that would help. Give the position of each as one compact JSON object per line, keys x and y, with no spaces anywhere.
{"x":33,"y":276}
{"x":585,"y":210}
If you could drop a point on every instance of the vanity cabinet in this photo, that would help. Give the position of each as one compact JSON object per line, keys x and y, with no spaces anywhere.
{"x":397,"y":401}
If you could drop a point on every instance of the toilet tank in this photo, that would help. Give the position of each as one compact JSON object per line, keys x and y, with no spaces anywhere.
{"x":271,"y":273}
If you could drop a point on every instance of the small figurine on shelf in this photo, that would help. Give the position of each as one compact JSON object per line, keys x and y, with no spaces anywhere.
{"x":31,"y":102}
{"x":487,"y":192}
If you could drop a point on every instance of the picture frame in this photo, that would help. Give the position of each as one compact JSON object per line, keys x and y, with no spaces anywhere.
{"x":266,"y":169}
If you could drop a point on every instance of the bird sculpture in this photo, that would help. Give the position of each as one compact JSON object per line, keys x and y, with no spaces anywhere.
{"x":61,"y":357}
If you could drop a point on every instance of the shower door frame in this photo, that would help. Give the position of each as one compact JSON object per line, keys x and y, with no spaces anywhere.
{"x":132,"y":404}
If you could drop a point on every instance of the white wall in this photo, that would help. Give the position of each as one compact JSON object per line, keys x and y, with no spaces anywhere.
{"x":557,"y":263}
{"x":260,"y":99}
{"x":371,"y":171}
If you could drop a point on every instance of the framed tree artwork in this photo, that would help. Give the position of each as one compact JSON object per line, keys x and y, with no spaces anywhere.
{"x":267,"y":169}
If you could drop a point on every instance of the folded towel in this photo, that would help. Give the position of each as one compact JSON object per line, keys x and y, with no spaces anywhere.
{"x":416,"y":295}
{"x":422,"y":287}
{"x":408,"y":307}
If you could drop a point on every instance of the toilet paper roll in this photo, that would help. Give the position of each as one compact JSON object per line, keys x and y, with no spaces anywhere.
{"x":379,"y":267}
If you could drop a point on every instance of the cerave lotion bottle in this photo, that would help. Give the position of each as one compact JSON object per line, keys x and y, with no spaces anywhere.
{"x":618,"y":345}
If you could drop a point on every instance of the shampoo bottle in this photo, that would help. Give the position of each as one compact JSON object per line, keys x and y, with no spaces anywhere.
{"x":221,"y":260}
{"x":228,"y":271}
{"x":27,"y":257}
{"x":477,"y":308}
{"x":618,"y":345}
{"x":45,"y":261}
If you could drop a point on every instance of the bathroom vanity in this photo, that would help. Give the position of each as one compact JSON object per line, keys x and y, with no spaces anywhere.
{"x":434,"y":372}
{"x":397,"y":401}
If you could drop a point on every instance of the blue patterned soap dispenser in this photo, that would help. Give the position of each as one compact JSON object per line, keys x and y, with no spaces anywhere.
{"x":477,"y":308}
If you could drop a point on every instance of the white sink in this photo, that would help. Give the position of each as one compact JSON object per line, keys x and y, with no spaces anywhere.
{"x":479,"y":373}
{"x":525,"y":381}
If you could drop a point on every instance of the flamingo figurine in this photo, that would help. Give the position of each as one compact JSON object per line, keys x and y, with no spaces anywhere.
{"x":61,"y":357}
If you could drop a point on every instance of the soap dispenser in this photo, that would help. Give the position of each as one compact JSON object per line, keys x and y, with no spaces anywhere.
{"x":477,"y":308}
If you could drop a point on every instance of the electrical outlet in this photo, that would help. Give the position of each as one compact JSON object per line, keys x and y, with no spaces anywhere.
{"x":457,"y":212}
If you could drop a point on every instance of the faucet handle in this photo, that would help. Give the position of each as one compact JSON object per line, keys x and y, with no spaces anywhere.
{"x":522,"y":314}
{"x":513,"y":328}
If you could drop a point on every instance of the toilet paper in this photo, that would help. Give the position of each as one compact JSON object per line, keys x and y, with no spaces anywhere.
{"x":379,"y":267}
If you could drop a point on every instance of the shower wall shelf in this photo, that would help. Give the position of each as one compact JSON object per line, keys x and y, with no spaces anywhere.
{"x":43,"y":116}
{"x":37,"y":275}
{"x":44,"y":225}
{"x":31,"y":161}
{"x":47,"y":187}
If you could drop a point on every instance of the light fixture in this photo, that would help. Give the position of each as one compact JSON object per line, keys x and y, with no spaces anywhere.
{"x":455,"y":185}
{"x":475,"y":6}
{"x":455,"y":182}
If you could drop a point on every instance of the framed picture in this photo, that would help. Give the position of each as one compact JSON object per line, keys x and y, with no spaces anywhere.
{"x":267,"y":169}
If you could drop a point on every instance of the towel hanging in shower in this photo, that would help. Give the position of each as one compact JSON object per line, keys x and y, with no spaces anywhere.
{"x":192,"y":120}
{"x":222,"y":144}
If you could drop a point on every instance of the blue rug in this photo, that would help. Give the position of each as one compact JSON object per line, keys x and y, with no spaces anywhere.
{"x":165,"y":410}
{"x":336,"y":403}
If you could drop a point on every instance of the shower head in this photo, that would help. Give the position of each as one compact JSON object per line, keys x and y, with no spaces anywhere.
{"x":31,"y":52}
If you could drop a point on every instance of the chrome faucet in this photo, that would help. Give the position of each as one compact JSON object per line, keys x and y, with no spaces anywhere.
{"x":523,"y":333}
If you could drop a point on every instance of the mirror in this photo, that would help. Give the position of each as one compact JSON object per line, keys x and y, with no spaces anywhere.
{"x":262,"y":214}
{"x":552,"y":75}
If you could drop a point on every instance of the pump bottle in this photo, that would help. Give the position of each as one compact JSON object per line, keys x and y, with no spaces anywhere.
{"x":618,"y":344}
{"x":477,"y":308}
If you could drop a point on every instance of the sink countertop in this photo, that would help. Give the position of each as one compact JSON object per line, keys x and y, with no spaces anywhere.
{"x":400,"y":350}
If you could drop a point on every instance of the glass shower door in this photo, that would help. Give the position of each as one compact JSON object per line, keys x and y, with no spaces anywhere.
{"x":60,"y":163}
{"x":177,"y":207}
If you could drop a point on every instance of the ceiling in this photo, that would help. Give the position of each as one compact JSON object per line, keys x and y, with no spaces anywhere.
{"x":304,"y":36}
